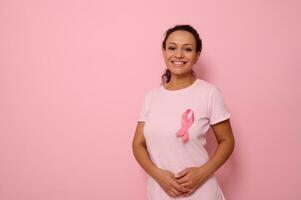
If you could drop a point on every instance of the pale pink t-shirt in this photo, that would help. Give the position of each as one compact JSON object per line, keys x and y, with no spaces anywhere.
{"x":162,"y":111}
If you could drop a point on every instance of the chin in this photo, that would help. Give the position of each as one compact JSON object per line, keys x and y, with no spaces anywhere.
{"x":176,"y":72}
{"x":179,"y":71}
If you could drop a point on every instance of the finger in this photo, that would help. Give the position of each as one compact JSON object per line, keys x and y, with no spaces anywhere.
{"x":182,"y":180}
{"x":187,"y":194}
{"x":169,"y":193}
{"x":191,"y":191}
{"x":175,"y":192}
{"x":182,"y":173}
{"x":186,"y":184}
{"x":177,"y":186}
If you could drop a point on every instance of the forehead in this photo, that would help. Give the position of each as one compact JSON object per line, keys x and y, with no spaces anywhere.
{"x":181,"y":37}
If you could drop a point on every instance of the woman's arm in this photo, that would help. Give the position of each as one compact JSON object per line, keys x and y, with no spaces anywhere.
{"x":190,"y":178}
{"x":226,"y":142}
{"x":140,"y":151}
{"x":193,"y":177}
{"x":164,"y":177}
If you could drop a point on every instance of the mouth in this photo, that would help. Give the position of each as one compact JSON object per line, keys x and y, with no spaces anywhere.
{"x":178,"y":63}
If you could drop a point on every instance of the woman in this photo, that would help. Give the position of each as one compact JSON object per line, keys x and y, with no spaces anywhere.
{"x":175,"y":117}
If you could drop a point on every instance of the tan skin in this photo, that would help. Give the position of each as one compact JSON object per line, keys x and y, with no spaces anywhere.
{"x":180,"y":46}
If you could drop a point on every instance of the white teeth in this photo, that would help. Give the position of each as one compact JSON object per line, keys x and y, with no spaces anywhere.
{"x":178,"y":63}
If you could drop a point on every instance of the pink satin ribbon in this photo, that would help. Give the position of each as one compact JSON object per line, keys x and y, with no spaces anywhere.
{"x":187,"y":121}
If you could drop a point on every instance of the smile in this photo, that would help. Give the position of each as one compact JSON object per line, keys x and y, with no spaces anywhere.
{"x":178,"y":63}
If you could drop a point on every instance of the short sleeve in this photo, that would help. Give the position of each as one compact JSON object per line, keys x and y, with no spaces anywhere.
{"x":217,"y":108}
{"x":144,"y":110}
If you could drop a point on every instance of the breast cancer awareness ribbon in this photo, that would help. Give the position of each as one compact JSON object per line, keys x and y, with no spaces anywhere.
{"x":187,"y":121}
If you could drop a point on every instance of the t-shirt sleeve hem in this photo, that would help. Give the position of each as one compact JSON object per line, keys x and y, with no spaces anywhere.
{"x":227,"y":116}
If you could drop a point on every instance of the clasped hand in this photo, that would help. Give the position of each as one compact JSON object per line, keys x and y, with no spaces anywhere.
{"x":183,"y":183}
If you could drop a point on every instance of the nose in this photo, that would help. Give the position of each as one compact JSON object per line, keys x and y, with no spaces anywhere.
{"x":179,"y":53}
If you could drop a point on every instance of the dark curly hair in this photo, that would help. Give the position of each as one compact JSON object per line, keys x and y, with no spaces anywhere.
{"x":167,"y":74}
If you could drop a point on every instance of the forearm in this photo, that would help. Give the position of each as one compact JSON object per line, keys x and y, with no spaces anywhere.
{"x":221,"y":155}
{"x":143,"y":158}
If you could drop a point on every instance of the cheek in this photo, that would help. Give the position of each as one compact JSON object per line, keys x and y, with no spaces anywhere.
{"x":169,"y":55}
{"x":167,"y":60}
{"x":192,"y":58}
{"x":166,"y":55}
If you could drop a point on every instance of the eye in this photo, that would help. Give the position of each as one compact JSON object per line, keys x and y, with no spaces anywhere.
{"x":188,"y":49}
{"x":171,"y":48}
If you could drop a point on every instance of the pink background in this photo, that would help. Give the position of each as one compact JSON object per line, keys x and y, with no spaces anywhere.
{"x":73,"y":75}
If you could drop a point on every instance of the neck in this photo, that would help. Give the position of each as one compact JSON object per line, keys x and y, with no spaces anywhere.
{"x":178,"y":82}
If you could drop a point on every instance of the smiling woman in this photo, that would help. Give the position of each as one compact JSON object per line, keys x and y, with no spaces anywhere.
{"x":181,"y":47}
{"x":174,"y":119}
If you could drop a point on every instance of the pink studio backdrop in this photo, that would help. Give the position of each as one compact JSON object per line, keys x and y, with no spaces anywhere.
{"x":73,"y":75}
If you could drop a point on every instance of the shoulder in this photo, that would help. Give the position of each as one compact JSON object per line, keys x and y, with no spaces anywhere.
{"x":148,"y":95}
{"x":207,"y":86}
{"x":154,"y":90}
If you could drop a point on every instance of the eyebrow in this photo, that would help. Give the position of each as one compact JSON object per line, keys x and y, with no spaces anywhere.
{"x":176,"y":44}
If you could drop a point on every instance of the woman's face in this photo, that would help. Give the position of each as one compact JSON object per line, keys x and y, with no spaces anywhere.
{"x":179,"y":54}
